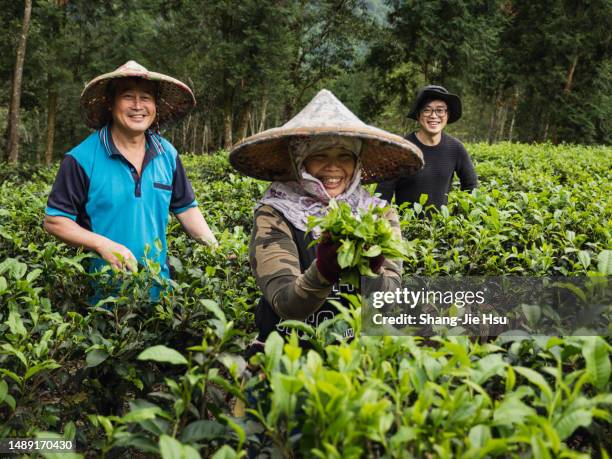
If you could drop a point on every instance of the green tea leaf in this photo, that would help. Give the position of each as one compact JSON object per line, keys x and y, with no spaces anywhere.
{"x":33,"y":275}
{"x":47,"y":365}
{"x":139,"y":415}
{"x":163,"y":354}
{"x":234,"y":363}
{"x":538,"y":448}
{"x":171,"y":448}
{"x":536,"y":379}
{"x":532,"y":313}
{"x":273,"y":350}
{"x":298,"y":325}
{"x":479,"y":435}
{"x":16,"y":324}
{"x":569,"y":422}
{"x":3,"y":390}
{"x":373,"y":251}
{"x":604,"y":262}
{"x":226,"y":452}
{"x":236,"y":428}
{"x":346,"y":254}
{"x":584,"y":258}
{"x":597,"y":357}
{"x":202,"y":430}
{"x":96,"y":357}
{"x":215,"y":309}
{"x":512,"y":411}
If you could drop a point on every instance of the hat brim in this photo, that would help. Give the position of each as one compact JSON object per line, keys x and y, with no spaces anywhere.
{"x":452,"y":101}
{"x":384,"y":156}
{"x":174,"y":99}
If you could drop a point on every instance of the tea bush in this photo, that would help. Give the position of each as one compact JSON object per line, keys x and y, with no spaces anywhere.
{"x":135,"y":378}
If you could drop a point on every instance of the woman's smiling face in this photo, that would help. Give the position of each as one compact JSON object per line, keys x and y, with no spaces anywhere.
{"x":333,"y":167}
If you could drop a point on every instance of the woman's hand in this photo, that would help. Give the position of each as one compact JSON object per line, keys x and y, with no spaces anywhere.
{"x":327,"y":259}
{"x":376,"y":263}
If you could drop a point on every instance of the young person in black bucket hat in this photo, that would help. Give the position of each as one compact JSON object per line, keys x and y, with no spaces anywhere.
{"x":444,"y":155}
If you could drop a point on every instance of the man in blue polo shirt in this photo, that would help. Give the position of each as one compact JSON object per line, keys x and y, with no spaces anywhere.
{"x":114,"y":191}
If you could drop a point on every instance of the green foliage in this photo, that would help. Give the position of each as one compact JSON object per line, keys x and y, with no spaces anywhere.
{"x":532,"y":71}
{"x":168,"y":378}
{"x":528,"y":71}
{"x":362,"y":238}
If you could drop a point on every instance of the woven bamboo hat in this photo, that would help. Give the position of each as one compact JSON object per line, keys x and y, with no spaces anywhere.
{"x":383,"y":155}
{"x":174,"y":99}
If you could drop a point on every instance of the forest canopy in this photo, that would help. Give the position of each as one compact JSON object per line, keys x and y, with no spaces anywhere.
{"x":526,"y":71}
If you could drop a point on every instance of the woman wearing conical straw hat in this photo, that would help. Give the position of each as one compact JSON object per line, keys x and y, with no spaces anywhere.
{"x":324,"y":152}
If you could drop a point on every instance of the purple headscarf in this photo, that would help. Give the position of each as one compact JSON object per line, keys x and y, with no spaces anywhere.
{"x":297,"y":200}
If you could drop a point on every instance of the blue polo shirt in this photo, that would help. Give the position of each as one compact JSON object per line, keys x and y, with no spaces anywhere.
{"x":100,"y":190}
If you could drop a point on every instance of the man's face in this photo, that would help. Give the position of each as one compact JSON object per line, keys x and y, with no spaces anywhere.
{"x":134,"y":107}
{"x":433,"y":116}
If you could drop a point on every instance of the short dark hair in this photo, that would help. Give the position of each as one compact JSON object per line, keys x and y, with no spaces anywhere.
{"x":113,"y":85}
{"x":427,"y":100}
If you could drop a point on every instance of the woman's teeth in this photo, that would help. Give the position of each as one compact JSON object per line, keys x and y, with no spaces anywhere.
{"x":331,"y":181}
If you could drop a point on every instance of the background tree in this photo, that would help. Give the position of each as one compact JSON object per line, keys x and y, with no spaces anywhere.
{"x":526,"y":71}
{"x":13,"y":114}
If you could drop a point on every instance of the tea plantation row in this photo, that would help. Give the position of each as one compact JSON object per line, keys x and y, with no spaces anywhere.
{"x":131,"y":378}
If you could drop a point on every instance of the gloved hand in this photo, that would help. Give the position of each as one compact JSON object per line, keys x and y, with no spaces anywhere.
{"x":327,"y":259}
{"x":376,"y":263}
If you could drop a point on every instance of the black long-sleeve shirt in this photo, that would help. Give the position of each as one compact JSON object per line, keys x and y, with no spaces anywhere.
{"x":436,"y":177}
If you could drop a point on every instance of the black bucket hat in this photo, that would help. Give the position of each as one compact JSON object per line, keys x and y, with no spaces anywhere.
{"x":432,"y":92}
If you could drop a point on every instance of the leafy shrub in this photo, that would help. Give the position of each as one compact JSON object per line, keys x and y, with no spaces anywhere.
{"x":134,"y":377}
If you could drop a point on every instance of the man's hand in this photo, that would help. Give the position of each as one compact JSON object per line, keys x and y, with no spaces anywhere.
{"x":194,"y":224}
{"x":118,"y":256}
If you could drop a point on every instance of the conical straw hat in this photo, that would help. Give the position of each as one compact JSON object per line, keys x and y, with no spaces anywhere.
{"x":384,"y":155}
{"x":174,"y":98}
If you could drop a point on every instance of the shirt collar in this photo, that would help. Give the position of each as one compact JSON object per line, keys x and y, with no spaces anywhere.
{"x":153,"y":141}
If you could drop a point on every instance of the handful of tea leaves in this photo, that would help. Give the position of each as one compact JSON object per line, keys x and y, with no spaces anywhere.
{"x":362,"y":237}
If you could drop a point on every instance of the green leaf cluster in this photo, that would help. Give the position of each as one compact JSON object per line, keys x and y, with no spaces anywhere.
{"x":134,"y":377}
{"x":362,"y":237}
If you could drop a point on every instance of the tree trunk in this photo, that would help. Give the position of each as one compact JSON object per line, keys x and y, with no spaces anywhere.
{"x":184,"y":141}
{"x":546,"y":125}
{"x":263,"y":114}
{"x":13,"y":115}
{"x":227,"y":123}
{"x":253,"y":122}
{"x":243,"y":121}
{"x":570,"y":76}
{"x":51,"y":116}
{"x":194,"y":130}
{"x":502,"y":123}
{"x":494,"y":118}
{"x":515,"y":99}
{"x":204,"y":147}
{"x":288,"y":109}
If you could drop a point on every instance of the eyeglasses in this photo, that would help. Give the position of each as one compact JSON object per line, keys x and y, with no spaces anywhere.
{"x":440,"y":111}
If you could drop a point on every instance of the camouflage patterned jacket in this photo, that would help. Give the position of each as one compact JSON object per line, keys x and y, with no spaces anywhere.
{"x":275,"y":263}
